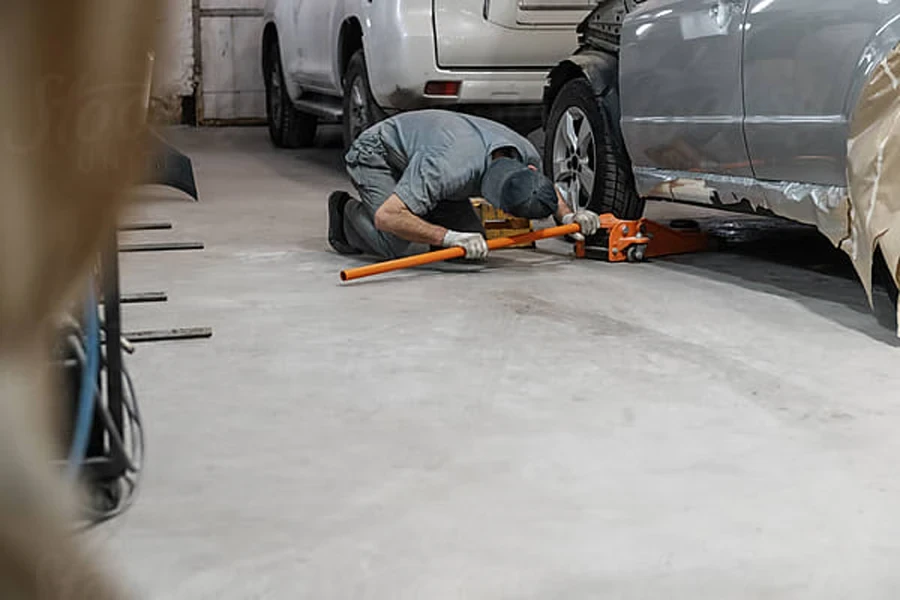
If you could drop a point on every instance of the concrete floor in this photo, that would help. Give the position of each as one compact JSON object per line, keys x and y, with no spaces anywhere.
{"x":714,"y":426}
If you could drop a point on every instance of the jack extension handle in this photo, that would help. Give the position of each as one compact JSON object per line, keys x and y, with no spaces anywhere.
{"x":451,"y":253}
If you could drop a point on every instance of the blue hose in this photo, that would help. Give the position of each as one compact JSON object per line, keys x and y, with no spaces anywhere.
{"x":89,"y":373}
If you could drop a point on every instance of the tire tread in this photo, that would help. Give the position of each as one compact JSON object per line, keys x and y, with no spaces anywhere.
{"x":357,"y":66}
{"x":295,"y":129}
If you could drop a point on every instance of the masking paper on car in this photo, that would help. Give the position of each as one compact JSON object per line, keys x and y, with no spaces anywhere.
{"x":873,"y":172}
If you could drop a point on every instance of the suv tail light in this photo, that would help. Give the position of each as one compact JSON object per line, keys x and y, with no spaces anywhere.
{"x":442,"y":88}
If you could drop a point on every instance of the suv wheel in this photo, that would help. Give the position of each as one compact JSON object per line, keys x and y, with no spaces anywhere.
{"x":288,"y":127}
{"x":360,"y":109}
{"x":583,"y":157}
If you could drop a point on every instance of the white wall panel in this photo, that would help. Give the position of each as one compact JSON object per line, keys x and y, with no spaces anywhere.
{"x":232,"y":82}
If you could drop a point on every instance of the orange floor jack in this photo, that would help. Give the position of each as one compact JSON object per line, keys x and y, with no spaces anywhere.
{"x":636,"y":241}
{"x":631,"y":241}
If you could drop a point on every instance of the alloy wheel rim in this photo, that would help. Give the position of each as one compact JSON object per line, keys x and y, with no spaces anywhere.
{"x":575,"y":157}
{"x":358,"y":107}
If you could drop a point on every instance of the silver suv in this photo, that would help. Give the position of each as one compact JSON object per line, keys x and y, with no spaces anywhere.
{"x":783,"y":107}
{"x":356,"y":60}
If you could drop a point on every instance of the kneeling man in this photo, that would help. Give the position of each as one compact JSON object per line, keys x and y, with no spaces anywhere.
{"x":416,"y":174}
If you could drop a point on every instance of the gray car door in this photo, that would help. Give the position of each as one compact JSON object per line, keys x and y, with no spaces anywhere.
{"x":801,"y":60}
{"x":680,"y":77}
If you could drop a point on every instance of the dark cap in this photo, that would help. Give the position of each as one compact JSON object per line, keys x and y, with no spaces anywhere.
{"x":518,"y":190}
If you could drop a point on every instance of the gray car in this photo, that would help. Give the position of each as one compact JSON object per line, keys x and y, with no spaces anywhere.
{"x":747,"y":105}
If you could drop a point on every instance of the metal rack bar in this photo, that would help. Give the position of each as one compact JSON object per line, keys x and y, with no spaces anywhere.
{"x":160,"y":246}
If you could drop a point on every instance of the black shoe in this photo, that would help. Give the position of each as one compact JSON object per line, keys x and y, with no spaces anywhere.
{"x":336,"y":203}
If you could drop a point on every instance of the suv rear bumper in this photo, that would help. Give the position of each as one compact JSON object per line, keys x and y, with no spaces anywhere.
{"x":399,"y":83}
{"x":476,"y":87}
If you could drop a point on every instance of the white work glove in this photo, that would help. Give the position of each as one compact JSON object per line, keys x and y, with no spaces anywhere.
{"x":473,"y":243}
{"x":588,"y":220}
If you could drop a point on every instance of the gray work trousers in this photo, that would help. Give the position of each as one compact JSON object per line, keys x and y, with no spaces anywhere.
{"x":375,"y":181}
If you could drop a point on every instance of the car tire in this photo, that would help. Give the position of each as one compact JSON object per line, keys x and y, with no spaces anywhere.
{"x":360,"y":109}
{"x":288,"y":127}
{"x":594,"y":166}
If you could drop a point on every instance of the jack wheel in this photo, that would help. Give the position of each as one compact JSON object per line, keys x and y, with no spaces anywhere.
{"x":636,"y":254}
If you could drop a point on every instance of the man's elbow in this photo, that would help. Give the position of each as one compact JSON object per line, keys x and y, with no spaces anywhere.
{"x":382,"y":220}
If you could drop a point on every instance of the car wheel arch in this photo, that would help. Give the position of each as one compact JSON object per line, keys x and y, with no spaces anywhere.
{"x":270,"y":37}
{"x":350,"y":40}
{"x":601,"y":69}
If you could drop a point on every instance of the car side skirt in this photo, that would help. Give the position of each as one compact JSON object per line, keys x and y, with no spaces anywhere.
{"x":826,"y":207}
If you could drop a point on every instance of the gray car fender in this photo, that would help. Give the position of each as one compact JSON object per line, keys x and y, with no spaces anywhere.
{"x":601,"y":69}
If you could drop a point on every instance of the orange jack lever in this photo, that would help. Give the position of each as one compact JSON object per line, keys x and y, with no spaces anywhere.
{"x":450,"y":253}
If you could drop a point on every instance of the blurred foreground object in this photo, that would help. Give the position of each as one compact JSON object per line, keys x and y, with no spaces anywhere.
{"x":72,"y":111}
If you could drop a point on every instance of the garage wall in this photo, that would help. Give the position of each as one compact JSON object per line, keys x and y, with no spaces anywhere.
{"x":232,"y":83}
{"x":228,"y":75}
{"x":173,"y":76}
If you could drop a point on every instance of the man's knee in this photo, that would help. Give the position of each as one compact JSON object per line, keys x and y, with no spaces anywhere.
{"x":359,"y":226}
{"x":355,"y":210}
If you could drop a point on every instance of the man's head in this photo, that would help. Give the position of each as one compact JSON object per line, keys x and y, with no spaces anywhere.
{"x":519,"y":189}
